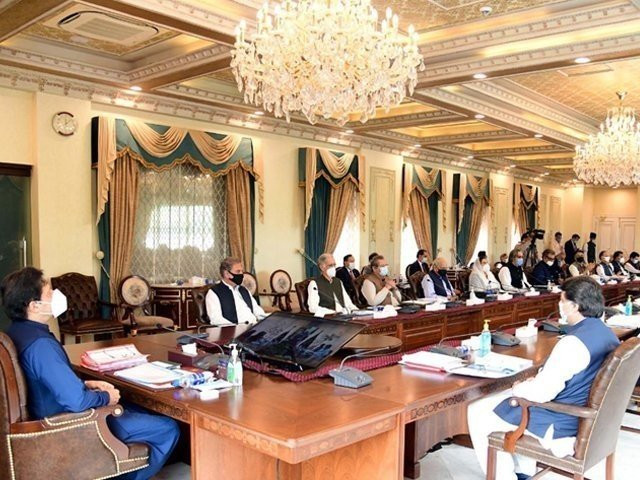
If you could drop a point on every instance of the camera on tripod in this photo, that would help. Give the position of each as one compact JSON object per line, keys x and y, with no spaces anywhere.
{"x":536,"y":234}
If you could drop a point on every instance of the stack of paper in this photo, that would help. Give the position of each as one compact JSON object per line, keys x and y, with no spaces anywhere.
{"x":112,"y":358}
{"x":624,"y":321}
{"x":494,"y":365}
{"x":431,"y":361}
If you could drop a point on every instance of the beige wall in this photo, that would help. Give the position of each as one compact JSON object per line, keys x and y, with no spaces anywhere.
{"x":64,"y":226}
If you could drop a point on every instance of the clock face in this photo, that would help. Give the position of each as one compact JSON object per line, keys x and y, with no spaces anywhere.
{"x":64,"y":123}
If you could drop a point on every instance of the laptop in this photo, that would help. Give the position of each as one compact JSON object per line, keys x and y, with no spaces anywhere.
{"x":297,"y":342}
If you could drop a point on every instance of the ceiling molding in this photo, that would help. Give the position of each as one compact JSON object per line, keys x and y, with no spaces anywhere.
{"x":147,"y":102}
{"x":21,"y":15}
{"x":475,"y":137}
{"x":407,"y":120}
{"x":214,"y":52}
{"x":544,"y":162}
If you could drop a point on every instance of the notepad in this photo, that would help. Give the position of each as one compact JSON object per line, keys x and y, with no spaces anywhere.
{"x":624,"y":321}
{"x":112,"y":358}
{"x":431,"y":361}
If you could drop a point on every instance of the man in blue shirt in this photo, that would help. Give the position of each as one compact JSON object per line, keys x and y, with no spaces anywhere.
{"x":52,"y":385}
{"x":545,"y":272}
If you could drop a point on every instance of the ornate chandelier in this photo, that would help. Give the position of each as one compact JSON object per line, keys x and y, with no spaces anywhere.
{"x":325,"y":58}
{"x":612,"y":156}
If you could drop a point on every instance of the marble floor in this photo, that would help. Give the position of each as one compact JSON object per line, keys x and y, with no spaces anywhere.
{"x":458,"y":463}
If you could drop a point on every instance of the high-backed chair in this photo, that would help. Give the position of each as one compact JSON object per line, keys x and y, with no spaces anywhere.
{"x":68,"y":445}
{"x":83,"y":316}
{"x":281,"y":284}
{"x":415,"y":280}
{"x":302,"y":293}
{"x":199,"y":298}
{"x":599,"y":424}
{"x":137,"y":300}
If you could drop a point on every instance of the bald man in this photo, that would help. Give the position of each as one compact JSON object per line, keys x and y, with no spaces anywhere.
{"x":436,"y":284}
{"x":326,"y":292}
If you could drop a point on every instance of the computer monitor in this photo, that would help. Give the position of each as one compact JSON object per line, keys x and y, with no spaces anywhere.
{"x":300,"y":341}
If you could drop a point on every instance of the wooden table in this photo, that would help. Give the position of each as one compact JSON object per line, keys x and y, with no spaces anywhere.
{"x":315,"y":430}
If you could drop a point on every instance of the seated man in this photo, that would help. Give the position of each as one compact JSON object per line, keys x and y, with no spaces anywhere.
{"x":347,"y":275}
{"x":52,"y":385}
{"x":544,"y":271}
{"x":366,"y":270}
{"x":378,"y":288}
{"x":565,"y":378}
{"x":326,"y":292}
{"x":617,"y":262}
{"x":504,"y":258}
{"x":511,"y":275}
{"x":228,"y":302}
{"x":604,"y":269}
{"x":420,"y":265}
{"x":436,"y":284}
{"x":633,"y":264}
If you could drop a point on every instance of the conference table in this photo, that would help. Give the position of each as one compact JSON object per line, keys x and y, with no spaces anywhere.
{"x":272,"y":428}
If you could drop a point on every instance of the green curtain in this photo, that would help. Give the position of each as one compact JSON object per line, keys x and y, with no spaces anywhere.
{"x":464,"y":232}
{"x":315,"y":234}
{"x":105,"y":246}
{"x":433,"y":217}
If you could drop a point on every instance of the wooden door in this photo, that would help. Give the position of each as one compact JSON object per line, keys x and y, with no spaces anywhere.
{"x":382,"y":207}
{"x":607,"y":230}
{"x":501,"y":222}
{"x":627,"y":235}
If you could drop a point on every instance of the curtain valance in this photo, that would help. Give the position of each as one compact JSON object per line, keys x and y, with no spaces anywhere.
{"x":426,"y":181}
{"x":336,"y":168}
{"x":159,"y":147}
{"x":477,"y":189}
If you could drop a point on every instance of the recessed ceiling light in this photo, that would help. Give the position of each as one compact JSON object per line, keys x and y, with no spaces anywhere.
{"x":479,"y":116}
{"x":135,"y":88}
{"x":538,"y":135}
{"x":479,"y":76}
{"x":258,"y":112}
{"x":469,"y":157}
{"x":513,"y":165}
{"x":417,"y":145}
{"x":348,"y":132}
{"x":582,"y":60}
{"x":546,"y":173}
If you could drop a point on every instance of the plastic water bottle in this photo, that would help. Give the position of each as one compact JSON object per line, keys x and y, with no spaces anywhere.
{"x":549,"y":286}
{"x":628,"y":308}
{"x":194,"y":379}
{"x":234,"y":368}
{"x":485,"y":340}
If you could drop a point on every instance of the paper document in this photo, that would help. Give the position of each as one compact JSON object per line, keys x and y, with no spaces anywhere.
{"x":112,"y":358}
{"x":148,"y":373}
{"x":624,"y":321}
{"x":432,"y":361}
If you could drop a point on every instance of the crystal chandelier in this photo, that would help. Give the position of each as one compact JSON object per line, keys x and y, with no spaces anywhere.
{"x":325,"y":58}
{"x":612,"y":156}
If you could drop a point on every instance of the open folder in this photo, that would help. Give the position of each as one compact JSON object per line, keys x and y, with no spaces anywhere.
{"x":493,"y":365}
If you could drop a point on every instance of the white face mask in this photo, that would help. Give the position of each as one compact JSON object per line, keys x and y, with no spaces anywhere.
{"x":549,"y":262}
{"x":563,"y":320}
{"x":606,"y":259}
{"x":486,"y":268}
{"x":58,"y":303}
{"x":331,"y":272}
{"x":351,"y":266}
{"x":621,"y":260}
{"x":384,"y":271}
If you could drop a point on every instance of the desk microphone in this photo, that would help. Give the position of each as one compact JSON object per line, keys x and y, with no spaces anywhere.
{"x":353,"y":377}
{"x":185,"y":338}
{"x":451,"y":351}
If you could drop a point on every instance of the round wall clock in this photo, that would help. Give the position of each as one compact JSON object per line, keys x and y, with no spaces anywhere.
{"x":64,"y":123}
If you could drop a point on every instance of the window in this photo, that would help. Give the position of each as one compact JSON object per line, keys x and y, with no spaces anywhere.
{"x":349,"y":242}
{"x":181,"y":225}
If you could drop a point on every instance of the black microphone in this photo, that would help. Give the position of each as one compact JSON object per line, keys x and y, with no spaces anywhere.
{"x":353,"y":377}
{"x":185,"y":338}
{"x":451,"y":351}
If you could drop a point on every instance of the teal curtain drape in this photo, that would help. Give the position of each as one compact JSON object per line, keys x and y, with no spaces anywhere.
{"x":105,"y":246}
{"x":464,"y":231}
{"x":433,"y":217}
{"x":315,"y":233}
{"x":471,"y":194}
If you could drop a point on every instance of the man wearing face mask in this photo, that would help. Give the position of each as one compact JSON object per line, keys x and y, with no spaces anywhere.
{"x":512,"y":276}
{"x":617,"y":263}
{"x":228,"y":302}
{"x":347,"y":275}
{"x":436,"y":284}
{"x":566,"y":377}
{"x":633,"y":265}
{"x":378,"y":288}
{"x":579,"y":267}
{"x":327,"y":294}
{"x":54,"y":388}
{"x":544,"y":271}
{"x":481,"y":278}
{"x":604,"y":269}
{"x":590,"y":248}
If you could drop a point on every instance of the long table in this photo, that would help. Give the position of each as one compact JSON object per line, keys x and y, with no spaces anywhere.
{"x":274,"y":429}
{"x":426,"y":328}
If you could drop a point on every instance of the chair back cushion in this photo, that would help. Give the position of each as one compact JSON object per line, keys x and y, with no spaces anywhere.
{"x":610,"y":393}
{"x":135,"y":291}
{"x":199,"y":300}
{"x":82,"y":295}
{"x":13,"y":398}
{"x":303,"y":294}
{"x":414,"y":281}
{"x":250,"y":282}
{"x":280,"y":282}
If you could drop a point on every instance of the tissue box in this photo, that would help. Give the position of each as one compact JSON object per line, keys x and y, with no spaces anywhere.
{"x":477,"y":301}
{"x":532,"y":294}
{"x":504,"y":296}
{"x":386,"y":312}
{"x":526,"y":332}
{"x":434,"y":307}
{"x":473,"y":343}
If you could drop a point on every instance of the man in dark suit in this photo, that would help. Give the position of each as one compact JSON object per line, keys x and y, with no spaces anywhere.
{"x":418,"y":266}
{"x":570,"y":248}
{"x":348,"y":274}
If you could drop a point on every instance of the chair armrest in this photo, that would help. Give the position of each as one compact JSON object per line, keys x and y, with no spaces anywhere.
{"x":511,"y":438}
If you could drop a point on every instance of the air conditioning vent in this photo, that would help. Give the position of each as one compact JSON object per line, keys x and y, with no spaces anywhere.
{"x":102,"y":26}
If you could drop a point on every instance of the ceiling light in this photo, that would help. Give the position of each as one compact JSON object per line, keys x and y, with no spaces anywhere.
{"x":258,"y":112}
{"x":513,"y":165}
{"x":372,"y":63}
{"x":538,"y":135}
{"x":479,"y":116}
{"x":348,"y":132}
{"x":581,"y":60}
{"x":479,"y":76}
{"x":469,"y":157}
{"x":546,"y":173}
{"x":135,"y":88}
{"x":417,"y":145}
{"x":611,"y":156}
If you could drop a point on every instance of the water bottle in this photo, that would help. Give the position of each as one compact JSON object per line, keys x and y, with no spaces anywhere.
{"x":485,"y":340}
{"x":193,"y":379}
{"x":628,"y":308}
{"x":234,"y":367}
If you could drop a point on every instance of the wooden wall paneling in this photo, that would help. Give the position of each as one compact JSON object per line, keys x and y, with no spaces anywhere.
{"x":555,"y":217}
{"x":500,"y":230}
{"x":382,"y":214}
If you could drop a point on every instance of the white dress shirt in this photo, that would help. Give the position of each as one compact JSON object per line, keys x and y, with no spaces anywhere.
{"x":505,"y":280}
{"x":631,"y":268}
{"x":373,"y":298}
{"x":482,"y":281}
{"x":600,"y":272}
{"x":314,"y":300}
{"x":214,"y":310}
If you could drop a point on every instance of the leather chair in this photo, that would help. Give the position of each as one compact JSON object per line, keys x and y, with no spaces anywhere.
{"x":635,"y":409}
{"x":83,"y":315}
{"x":199,"y":300}
{"x":68,"y":445}
{"x":302,"y":293}
{"x":414,"y":280}
{"x":137,"y":300}
{"x":599,"y":424}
